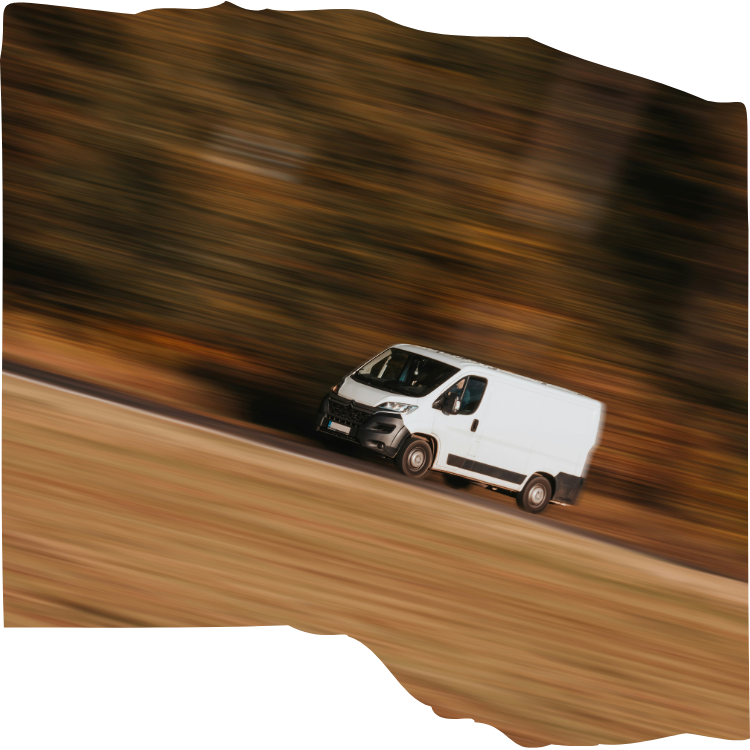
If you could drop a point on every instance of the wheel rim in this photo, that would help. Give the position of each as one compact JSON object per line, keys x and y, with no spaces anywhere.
{"x":537,"y":495}
{"x":416,"y":459}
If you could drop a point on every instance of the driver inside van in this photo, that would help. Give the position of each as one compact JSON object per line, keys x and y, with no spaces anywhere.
{"x":471,"y":394}
{"x":456,"y":389}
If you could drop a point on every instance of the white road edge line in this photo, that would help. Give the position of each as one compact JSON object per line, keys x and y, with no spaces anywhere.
{"x":521,"y":519}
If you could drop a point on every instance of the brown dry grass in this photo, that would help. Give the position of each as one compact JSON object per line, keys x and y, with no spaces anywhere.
{"x":113,"y":518}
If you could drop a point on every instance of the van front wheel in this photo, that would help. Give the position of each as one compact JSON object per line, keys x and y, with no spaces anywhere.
{"x":415,"y":458}
{"x":535,"y":496}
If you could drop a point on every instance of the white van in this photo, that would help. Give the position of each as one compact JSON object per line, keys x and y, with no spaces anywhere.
{"x":474,"y":423}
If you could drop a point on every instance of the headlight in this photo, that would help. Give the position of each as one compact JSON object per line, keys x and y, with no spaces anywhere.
{"x":399,"y":407}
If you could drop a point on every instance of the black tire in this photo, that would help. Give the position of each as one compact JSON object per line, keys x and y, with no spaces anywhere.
{"x":536,"y":494}
{"x":456,"y":482}
{"x":415,"y":458}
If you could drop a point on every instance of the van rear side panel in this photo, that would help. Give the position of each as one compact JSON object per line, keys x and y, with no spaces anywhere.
{"x":566,"y":435}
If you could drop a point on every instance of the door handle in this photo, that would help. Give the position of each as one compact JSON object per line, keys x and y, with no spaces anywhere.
{"x":474,"y":425}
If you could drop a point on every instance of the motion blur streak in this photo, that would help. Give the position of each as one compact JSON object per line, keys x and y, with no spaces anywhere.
{"x":260,"y":200}
{"x":119,"y":519}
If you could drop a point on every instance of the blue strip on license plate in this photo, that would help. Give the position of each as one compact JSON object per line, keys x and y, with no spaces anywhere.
{"x":339,"y":427}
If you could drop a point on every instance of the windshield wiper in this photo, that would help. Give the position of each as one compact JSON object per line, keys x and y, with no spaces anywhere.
{"x":373,"y":382}
{"x":397,"y":389}
{"x":389,"y":389}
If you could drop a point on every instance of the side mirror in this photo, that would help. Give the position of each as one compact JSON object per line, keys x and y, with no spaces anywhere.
{"x":451,"y":405}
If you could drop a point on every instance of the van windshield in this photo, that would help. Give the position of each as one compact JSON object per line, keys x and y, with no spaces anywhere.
{"x":407,"y":373}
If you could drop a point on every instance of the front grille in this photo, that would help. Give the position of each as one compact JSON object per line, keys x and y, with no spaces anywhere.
{"x":344,"y":412}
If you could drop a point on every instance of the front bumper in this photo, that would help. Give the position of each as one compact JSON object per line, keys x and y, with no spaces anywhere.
{"x":380,"y":431}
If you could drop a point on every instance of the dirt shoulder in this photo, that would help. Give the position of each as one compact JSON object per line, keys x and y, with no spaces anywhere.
{"x":115,"y":518}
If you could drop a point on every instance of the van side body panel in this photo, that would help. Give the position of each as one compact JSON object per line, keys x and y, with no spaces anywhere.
{"x":567,"y":433}
{"x":511,"y":424}
{"x":532,"y":428}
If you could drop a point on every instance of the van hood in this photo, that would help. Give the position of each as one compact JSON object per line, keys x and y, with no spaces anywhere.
{"x":369,"y":396}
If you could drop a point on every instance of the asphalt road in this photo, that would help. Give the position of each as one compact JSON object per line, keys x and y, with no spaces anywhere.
{"x":360,"y":461}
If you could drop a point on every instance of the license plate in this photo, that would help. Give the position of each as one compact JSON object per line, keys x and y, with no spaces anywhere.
{"x":339,"y":427}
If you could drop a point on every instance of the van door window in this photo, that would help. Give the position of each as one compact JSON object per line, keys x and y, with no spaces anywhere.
{"x":472,"y":396}
{"x":455,"y":390}
{"x":469,"y":390}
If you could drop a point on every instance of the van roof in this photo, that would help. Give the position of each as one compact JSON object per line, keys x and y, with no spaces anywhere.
{"x":461,"y":362}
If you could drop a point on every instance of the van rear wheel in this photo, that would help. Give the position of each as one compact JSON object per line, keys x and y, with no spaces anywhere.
{"x":535,"y":496}
{"x":415,"y":458}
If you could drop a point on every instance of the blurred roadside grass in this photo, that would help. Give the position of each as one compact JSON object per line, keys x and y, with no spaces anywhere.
{"x":112,"y":518}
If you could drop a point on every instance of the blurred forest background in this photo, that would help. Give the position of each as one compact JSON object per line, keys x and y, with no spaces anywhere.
{"x":256,"y":202}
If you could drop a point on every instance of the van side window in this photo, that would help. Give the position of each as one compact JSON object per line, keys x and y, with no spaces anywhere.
{"x":472,"y":395}
{"x":455,"y":390}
